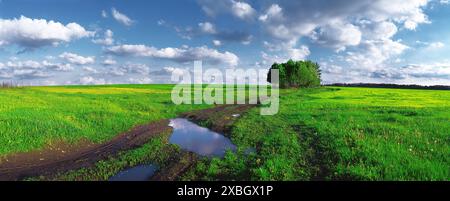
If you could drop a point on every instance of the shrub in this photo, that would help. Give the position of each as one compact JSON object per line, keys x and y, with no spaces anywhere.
{"x":297,"y":74}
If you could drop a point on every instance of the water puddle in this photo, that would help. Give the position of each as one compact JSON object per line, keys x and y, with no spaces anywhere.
{"x":189,"y":136}
{"x":138,"y":173}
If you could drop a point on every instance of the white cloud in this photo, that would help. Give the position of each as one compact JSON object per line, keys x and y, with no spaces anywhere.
{"x":287,"y":53}
{"x":34,"y":33}
{"x":338,"y":35}
{"x":104,"y":14}
{"x":121,"y":18}
{"x":430,"y":45}
{"x":436,"y":45}
{"x":182,"y":54}
{"x":378,"y":30}
{"x":242,"y":10}
{"x":372,"y":54}
{"x":88,"y":80}
{"x":57,"y":66}
{"x":217,"y":42}
{"x":29,"y":74}
{"x":30,"y":69}
{"x":90,"y":69}
{"x":137,"y":68}
{"x":284,"y":21}
{"x":77,"y":59}
{"x":109,"y":62}
{"x":36,"y":65}
{"x":143,"y":80}
{"x":107,"y":40}
{"x":238,"y":9}
{"x":207,"y":27}
{"x":274,"y":12}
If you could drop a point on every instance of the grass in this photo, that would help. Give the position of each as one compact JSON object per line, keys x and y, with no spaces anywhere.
{"x":341,"y":134}
{"x":33,"y":117}
{"x":328,"y":133}
{"x":157,"y":151}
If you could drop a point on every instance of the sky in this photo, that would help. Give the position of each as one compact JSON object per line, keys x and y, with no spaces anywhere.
{"x":66,"y":42}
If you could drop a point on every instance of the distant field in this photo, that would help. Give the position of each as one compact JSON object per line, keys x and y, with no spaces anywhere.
{"x":326,"y":133}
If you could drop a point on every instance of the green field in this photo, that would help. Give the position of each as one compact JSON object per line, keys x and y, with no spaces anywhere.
{"x":33,"y":117}
{"x":325,"y":133}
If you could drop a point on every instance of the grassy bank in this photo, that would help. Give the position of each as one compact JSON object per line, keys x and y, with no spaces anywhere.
{"x":344,"y":134}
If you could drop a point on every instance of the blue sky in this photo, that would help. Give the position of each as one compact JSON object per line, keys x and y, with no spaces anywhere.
{"x":51,"y":42}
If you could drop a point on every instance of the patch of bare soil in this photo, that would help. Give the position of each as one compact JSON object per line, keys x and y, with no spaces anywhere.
{"x":61,"y":157}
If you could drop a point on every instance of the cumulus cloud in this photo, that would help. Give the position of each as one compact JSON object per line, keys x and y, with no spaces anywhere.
{"x":30,"y":69}
{"x":36,"y":65}
{"x":283,"y":51}
{"x":372,"y":54}
{"x":90,"y":69}
{"x":378,"y":30}
{"x":433,"y":73}
{"x":242,"y":10}
{"x":338,"y":35}
{"x":182,"y":54}
{"x":169,"y":70}
{"x":360,"y":31}
{"x":34,"y":33}
{"x":77,"y":59}
{"x":340,"y":24}
{"x":142,"y":80}
{"x":109,"y":62}
{"x":436,"y":45}
{"x":137,"y":68}
{"x":291,"y":53}
{"x":121,"y":18}
{"x":89,"y":80}
{"x":107,"y":40}
{"x":284,"y":14}
{"x":207,"y":27}
{"x":238,"y":9}
{"x":217,"y":42}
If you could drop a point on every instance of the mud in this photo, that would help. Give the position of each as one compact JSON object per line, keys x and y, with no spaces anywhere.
{"x":62,"y":157}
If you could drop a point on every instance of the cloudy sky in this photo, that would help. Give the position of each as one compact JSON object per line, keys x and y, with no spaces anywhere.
{"x":54,"y":42}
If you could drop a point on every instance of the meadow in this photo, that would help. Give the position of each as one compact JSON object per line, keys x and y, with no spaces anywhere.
{"x":328,"y":133}
{"x":341,"y":134}
{"x":34,"y":117}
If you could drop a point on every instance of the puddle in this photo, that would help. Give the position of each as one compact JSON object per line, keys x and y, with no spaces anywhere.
{"x":189,"y":136}
{"x":138,"y":173}
{"x":200,"y":140}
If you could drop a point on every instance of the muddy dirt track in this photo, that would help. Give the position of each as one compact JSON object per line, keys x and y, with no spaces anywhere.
{"x":64,"y":157}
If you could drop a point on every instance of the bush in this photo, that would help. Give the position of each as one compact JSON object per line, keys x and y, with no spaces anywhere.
{"x":297,"y":74}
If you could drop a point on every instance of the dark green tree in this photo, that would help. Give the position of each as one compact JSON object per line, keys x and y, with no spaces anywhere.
{"x":297,"y":74}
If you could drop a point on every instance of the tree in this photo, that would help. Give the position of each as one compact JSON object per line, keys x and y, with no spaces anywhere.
{"x":297,"y":74}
